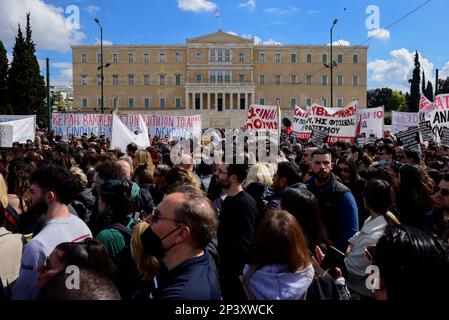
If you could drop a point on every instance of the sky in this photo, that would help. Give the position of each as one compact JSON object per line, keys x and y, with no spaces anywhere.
{"x":58,"y":24}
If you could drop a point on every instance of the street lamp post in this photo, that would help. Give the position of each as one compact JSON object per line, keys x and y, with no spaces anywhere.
{"x":101,"y":65}
{"x":332,"y":64}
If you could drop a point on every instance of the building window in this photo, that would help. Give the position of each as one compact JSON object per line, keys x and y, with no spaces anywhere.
{"x":115,"y":102}
{"x":324,"y":57}
{"x":99,"y":102}
{"x":130,"y":57}
{"x":355,"y":80}
{"x":84,"y":102}
{"x":212,"y":55}
{"x":130,"y":102}
{"x":99,"y":57}
{"x":115,"y":57}
{"x":262,"y":79}
{"x":178,"y":79}
{"x":261,"y":57}
{"x":340,"y":58}
{"x":162,"y":57}
{"x":324,"y":80}
{"x":324,"y":102}
{"x":293,"y":79}
{"x":278,"y":79}
{"x":227,"y":55}
{"x":98,"y":79}
{"x":130,"y":79}
{"x":262,"y":101}
{"x":339,"y":103}
{"x":84,"y":80}
{"x":339,"y":80}
{"x":146,"y":57}
{"x":178,"y":102}
{"x":293,"y":102}
{"x":355,"y":100}
{"x":277,"y":57}
{"x":220,"y":55}
{"x":227,"y":76}
{"x":242,"y":57}
{"x":309,"y":58}
{"x":84,"y":58}
{"x":199,"y":78}
{"x":308,"y":80}
{"x":162,"y":80}
{"x":293,"y":57}
{"x":115,"y":80}
{"x":146,"y":102}
{"x":308,"y":102}
{"x":146,"y":79}
{"x":241,"y":78}
{"x":355,"y":58}
{"x":162,"y":102}
{"x":277,"y":101}
{"x":178,"y":57}
{"x":198,"y":57}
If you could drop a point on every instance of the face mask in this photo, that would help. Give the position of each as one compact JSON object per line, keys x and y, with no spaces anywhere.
{"x":152,"y":244}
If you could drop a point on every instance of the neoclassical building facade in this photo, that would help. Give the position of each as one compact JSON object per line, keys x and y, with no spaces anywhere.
{"x":216,"y":74}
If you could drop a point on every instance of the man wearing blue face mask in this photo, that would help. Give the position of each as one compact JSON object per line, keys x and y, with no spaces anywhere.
{"x":180,"y":229}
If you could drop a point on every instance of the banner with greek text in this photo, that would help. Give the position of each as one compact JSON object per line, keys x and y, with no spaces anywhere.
{"x":299,"y":124}
{"x":402,"y":121}
{"x":67,"y":124}
{"x":261,"y":117}
{"x":17,"y":131}
{"x":437,"y":113}
{"x":370,"y":122}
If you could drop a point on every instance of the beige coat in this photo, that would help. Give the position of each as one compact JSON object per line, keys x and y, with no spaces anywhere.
{"x":11,"y":246}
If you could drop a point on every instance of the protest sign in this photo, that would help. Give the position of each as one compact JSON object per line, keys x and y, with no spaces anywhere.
{"x":300,"y":120}
{"x":263,"y":118}
{"x":17,"y":131}
{"x":444,"y":137}
{"x":11,"y":117}
{"x":426,"y":131}
{"x":318,"y":137}
{"x":122,"y":136}
{"x":437,"y":113}
{"x":402,"y":121}
{"x":410,"y":139}
{"x":370,"y":122}
{"x":66,"y":124}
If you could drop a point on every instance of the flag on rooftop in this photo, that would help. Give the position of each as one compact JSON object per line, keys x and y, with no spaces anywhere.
{"x":216,"y":13}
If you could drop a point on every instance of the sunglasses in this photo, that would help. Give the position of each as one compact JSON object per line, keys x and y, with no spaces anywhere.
{"x":156,"y":216}
{"x":444,"y":192}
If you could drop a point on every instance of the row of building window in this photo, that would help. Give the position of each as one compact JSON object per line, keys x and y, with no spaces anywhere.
{"x":224,"y":76}
{"x":223,"y":55}
{"x":162,"y":102}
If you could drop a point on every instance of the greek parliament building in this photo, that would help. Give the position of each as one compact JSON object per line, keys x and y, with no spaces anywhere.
{"x":217,"y":75}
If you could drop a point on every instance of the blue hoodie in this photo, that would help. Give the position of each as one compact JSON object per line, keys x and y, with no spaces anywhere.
{"x":277,"y":282}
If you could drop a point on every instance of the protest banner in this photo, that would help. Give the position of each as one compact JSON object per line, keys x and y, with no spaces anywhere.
{"x":444,"y":138}
{"x":410,"y":139}
{"x":66,"y":124}
{"x":318,"y":137}
{"x":402,"y":121}
{"x":426,"y":131}
{"x":370,"y":122}
{"x":338,"y":123}
{"x":11,"y":117}
{"x":300,"y":121}
{"x":437,"y":113}
{"x":261,"y":117}
{"x":17,"y":131}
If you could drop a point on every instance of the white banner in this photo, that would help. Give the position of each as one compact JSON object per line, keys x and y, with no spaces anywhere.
{"x":122,"y":136}
{"x":402,"y":121}
{"x":299,"y":124}
{"x":10,"y":117}
{"x":370,"y":122}
{"x":261,"y":117}
{"x":17,"y":131}
{"x":66,"y":124}
{"x":437,"y":113}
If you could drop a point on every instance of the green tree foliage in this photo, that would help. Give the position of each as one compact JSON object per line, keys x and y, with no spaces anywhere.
{"x":379,"y":97}
{"x":5,"y":107}
{"x":415,"y":93}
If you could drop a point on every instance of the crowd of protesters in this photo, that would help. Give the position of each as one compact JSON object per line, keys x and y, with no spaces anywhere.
{"x":129,"y":224}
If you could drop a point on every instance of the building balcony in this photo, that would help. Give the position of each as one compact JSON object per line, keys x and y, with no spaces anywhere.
{"x":221,"y":84}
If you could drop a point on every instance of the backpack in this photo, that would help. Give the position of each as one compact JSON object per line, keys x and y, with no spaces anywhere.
{"x":324,"y":287}
{"x":128,"y":275}
{"x":11,"y":220}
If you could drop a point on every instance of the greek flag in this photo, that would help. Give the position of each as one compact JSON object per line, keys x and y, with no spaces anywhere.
{"x":216,"y":13}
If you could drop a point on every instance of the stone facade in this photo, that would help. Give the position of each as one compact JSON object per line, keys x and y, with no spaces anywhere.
{"x":217,"y":75}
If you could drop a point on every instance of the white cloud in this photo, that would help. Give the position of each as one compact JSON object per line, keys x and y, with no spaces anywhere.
{"x":257,"y":40}
{"x":92,"y":9}
{"x":48,"y":24}
{"x":444,"y":73}
{"x":340,"y":42}
{"x":380,"y":34}
{"x":396,"y":72}
{"x":105,"y":42}
{"x":312,"y":12}
{"x":250,"y":5}
{"x":279,"y":11}
{"x":196,"y":5}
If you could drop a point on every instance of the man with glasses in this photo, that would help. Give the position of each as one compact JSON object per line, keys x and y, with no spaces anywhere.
{"x":437,"y":220}
{"x":49,"y":193}
{"x":180,"y":229}
{"x":236,"y":231}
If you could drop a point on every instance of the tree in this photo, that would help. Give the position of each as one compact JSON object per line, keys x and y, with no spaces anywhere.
{"x":5,"y":107}
{"x":396,"y":101}
{"x":443,"y":86}
{"x":423,"y":85}
{"x":413,"y":101}
{"x":379,"y":97}
{"x":428,"y":93}
{"x":26,"y":85}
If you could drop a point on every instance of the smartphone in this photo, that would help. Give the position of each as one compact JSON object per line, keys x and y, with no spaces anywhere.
{"x":369,"y":251}
{"x":333,"y":258}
